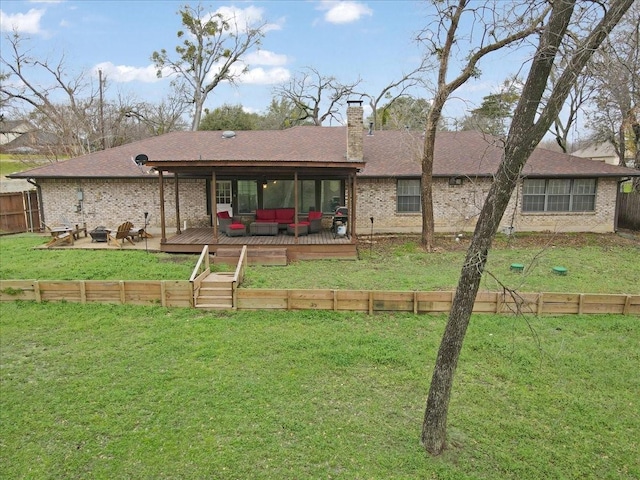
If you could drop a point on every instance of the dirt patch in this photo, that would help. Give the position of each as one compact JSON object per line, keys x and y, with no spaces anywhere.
{"x":453,"y":243}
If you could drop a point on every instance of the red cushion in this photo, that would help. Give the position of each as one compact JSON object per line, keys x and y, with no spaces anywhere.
{"x":266,"y":215}
{"x":236,"y":226}
{"x":284,"y":215}
{"x":304,"y":223}
{"x":223,"y":215}
{"x":315,"y":215}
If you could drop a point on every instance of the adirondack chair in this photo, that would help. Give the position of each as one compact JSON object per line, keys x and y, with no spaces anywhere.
{"x":118,"y":237}
{"x":60,"y":238}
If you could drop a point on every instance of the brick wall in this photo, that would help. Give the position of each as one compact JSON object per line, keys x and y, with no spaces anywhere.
{"x":456,"y":209}
{"x":111,"y":202}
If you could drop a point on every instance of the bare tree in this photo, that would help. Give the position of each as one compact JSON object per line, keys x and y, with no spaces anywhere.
{"x":69,"y":110}
{"x":494,"y":25}
{"x":315,"y":97}
{"x":62,"y":108}
{"x":531,"y":120}
{"x":392,"y":92}
{"x":213,"y":45}
{"x":615,"y":82}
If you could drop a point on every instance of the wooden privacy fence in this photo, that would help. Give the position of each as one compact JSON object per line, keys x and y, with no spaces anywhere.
{"x":179,"y":293}
{"x":19,"y":212}
{"x":629,"y":211}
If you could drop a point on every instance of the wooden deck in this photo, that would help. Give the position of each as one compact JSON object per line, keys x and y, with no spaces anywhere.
{"x":319,"y":245}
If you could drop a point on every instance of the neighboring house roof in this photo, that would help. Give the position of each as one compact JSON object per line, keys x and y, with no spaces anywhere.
{"x":386,"y":154}
{"x":11,"y":129}
{"x":604,"y":151}
{"x":31,"y":142}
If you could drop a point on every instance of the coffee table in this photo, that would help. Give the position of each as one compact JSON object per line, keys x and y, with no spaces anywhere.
{"x":263,"y":228}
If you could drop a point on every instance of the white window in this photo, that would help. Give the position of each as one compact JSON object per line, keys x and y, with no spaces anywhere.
{"x":559,"y":195}
{"x":408,"y":193}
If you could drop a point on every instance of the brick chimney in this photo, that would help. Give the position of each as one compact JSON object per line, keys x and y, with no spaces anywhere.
{"x":355,"y":130}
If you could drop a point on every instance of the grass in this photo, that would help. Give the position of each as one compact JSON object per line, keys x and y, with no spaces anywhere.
{"x":404,"y":266}
{"x":19,"y":259}
{"x":107,"y":391}
{"x":593,"y":268}
{"x":9,"y":164}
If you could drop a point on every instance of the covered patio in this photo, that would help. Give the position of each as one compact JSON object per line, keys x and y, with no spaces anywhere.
{"x":243,"y":188}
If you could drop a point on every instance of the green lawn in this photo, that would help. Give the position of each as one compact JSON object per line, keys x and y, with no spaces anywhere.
{"x":111,"y":391}
{"x":599,"y":264}
{"x":106,"y":391}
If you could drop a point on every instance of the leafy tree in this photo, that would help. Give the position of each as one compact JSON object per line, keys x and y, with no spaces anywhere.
{"x":229,"y":117}
{"x":403,"y":112}
{"x":491,"y":26}
{"x":493,"y":115}
{"x":531,"y":120}
{"x":212,"y":48}
{"x":280,"y":115}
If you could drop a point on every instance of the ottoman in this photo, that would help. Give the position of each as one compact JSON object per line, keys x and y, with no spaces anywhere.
{"x":236,"y":230}
{"x":303,"y":228}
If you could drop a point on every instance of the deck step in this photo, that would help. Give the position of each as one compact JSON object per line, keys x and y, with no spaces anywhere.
{"x":214,"y":306}
{"x":255,"y":256}
{"x":216,"y":292}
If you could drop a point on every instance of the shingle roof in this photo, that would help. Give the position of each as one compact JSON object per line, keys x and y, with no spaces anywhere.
{"x":386,"y":154}
{"x":469,"y":153}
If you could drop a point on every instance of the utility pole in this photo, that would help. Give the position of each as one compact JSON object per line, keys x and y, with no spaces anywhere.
{"x":104,"y":140}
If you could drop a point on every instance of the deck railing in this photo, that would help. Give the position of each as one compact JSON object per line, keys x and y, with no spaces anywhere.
{"x":200,"y":271}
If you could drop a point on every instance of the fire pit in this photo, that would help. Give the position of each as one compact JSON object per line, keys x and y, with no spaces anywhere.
{"x":99,"y":234}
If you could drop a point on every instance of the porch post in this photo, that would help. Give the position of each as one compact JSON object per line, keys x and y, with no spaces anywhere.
{"x":214,"y":206}
{"x":352,"y":223}
{"x":177,"y":200}
{"x":163,"y":226}
{"x":295,"y":207}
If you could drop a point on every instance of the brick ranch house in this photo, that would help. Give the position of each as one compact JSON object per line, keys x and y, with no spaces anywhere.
{"x":184,"y":178}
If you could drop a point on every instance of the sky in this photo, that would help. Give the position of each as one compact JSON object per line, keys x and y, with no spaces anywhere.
{"x":371,"y":40}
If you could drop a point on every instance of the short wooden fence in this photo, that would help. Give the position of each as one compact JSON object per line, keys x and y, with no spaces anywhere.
{"x":436,"y":302}
{"x":179,"y":293}
{"x":168,"y":293}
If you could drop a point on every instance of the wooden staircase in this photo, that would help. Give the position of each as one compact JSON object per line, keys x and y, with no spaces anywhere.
{"x":215,"y":292}
{"x":255,"y":256}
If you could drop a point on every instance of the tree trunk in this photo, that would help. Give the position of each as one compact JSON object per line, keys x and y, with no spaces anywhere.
{"x":527,"y":129}
{"x":435,"y":420}
{"x":428,"y":153}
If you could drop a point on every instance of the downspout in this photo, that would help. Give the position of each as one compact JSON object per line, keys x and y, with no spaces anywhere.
{"x":617,"y":211}
{"x":40,"y":204}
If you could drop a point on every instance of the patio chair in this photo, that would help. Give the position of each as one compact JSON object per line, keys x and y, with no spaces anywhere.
{"x":118,"y":237}
{"x":315,"y":221}
{"x":224,"y":220}
{"x":60,"y":238}
{"x":76,"y":229}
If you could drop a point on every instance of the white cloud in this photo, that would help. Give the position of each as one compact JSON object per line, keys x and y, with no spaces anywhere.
{"x":265,"y":57}
{"x":247,"y":17}
{"x":344,"y":11}
{"x":22,"y":22}
{"x":125,"y":73}
{"x":261,"y":76}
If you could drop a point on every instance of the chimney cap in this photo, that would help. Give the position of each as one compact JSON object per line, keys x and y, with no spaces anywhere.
{"x":352,"y":103}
